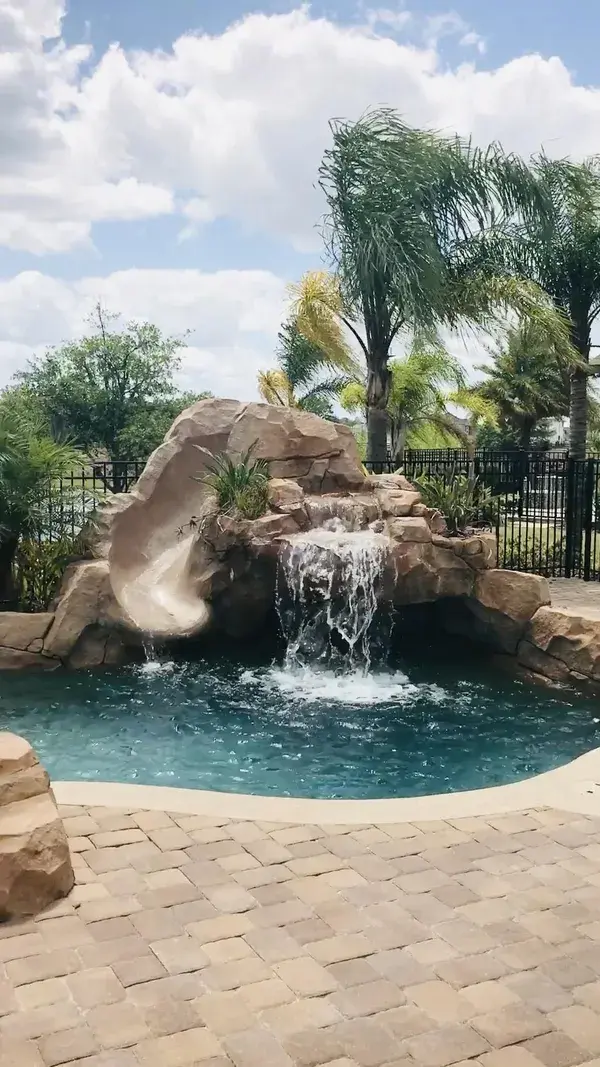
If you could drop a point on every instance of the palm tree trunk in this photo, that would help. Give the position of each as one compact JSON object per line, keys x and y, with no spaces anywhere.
{"x":8,"y":592}
{"x":378,"y":388}
{"x":399,"y":444}
{"x":578,"y":401}
{"x":578,"y":415}
{"x":527,"y":427}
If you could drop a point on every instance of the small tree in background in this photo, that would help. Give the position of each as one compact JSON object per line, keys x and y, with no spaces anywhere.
{"x":112,"y":392}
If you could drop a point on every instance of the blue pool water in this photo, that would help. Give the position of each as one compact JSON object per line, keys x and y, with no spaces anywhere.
{"x":425,"y":728}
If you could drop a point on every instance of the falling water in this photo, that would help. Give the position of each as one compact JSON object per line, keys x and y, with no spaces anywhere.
{"x":328,"y":598}
{"x":152,"y":663}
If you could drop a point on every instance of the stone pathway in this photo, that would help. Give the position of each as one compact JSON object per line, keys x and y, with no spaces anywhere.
{"x":193,"y":940}
{"x":576,"y":595}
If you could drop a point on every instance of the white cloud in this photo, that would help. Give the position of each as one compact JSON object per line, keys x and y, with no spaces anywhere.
{"x":231,"y":125}
{"x":233,"y":317}
{"x":235,"y":124}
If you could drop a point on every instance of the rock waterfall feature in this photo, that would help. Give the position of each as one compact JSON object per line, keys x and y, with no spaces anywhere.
{"x":164,"y":562}
{"x":329,"y":589}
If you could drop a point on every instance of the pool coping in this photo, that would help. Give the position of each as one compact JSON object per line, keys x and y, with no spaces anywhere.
{"x":574,"y":787}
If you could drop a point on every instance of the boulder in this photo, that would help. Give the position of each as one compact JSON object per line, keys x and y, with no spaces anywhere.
{"x":321,"y":456}
{"x":35,"y":864}
{"x":559,"y":641}
{"x":21,"y":774}
{"x":422,"y":573}
{"x":409,"y":528}
{"x":272,"y":526}
{"x":480,"y":551}
{"x":396,"y":502}
{"x":503,"y":603}
{"x":284,"y":494}
{"x":87,"y":603}
{"x":12,"y":659}
{"x":355,"y":511}
{"x":389,"y":481}
{"x":435,"y":519}
{"x":514,"y":594}
{"x":21,"y":631}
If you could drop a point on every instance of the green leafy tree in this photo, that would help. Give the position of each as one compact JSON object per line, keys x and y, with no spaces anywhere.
{"x":307,"y":376}
{"x":406,"y":211}
{"x":31,"y":497}
{"x":111,"y":391}
{"x":148,"y":426}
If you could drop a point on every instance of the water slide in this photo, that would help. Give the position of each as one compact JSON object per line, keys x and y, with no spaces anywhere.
{"x":160,"y":599}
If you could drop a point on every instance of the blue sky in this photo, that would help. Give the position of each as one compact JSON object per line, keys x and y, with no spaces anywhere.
{"x":162,"y":156}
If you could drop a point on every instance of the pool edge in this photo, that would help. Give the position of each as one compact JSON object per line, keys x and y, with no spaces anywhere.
{"x":573,"y":787}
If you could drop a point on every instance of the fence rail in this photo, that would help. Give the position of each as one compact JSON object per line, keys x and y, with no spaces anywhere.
{"x":545,"y":506}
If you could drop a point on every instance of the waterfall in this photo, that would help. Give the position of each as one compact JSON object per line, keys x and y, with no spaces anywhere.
{"x":328,"y":589}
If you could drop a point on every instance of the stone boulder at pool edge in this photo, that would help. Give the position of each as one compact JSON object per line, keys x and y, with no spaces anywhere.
{"x":35,"y":864}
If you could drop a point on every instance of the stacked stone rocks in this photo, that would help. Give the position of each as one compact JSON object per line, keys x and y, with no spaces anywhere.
{"x":35,"y":864}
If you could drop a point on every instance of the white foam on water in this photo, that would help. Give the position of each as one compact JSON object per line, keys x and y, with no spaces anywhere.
{"x":156,"y":666}
{"x":311,"y":685}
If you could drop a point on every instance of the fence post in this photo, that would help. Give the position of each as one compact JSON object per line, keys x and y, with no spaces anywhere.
{"x":590,"y":480}
{"x":569,"y":532}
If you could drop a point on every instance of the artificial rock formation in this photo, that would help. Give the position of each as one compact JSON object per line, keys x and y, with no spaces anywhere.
{"x":35,"y":865}
{"x":167,"y":564}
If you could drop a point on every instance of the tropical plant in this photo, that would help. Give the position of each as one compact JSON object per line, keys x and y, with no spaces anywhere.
{"x":306,"y":376}
{"x":407,"y":209}
{"x":111,"y":391}
{"x":480,"y":413}
{"x":33,"y":502}
{"x":241,"y":486}
{"x":417,"y":395}
{"x":38,"y":569}
{"x":561,"y":253}
{"x":527,"y":381}
{"x":461,"y":499}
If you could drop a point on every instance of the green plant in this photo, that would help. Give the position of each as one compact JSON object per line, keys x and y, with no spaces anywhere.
{"x":38,"y":495}
{"x":38,"y":569}
{"x":307,"y":376}
{"x":240,"y":485}
{"x":462,"y":500}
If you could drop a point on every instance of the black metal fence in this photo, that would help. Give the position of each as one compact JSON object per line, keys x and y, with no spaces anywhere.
{"x":71,"y":499}
{"x":545,"y":507}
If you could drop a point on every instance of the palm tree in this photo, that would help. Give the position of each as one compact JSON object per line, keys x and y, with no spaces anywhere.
{"x":561,"y":254}
{"x":417,"y":395}
{"x":527,"y":381}
{"x":406,"y":210}
{"x":31,"y":463}
{"x":305,"y":376}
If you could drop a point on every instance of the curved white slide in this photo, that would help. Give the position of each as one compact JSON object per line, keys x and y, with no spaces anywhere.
{"x":160,"y":600}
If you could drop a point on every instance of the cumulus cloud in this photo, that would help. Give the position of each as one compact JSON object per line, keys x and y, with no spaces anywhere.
{"x":233,"y":318}
{"x":234,"y":124}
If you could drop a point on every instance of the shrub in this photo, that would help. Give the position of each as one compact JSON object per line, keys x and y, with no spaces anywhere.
{"x":461,"y":500}
{"x":240,"y":485}
{"x":38,"y":569}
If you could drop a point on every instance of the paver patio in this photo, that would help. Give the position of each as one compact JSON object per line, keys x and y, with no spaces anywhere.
{"x":193,"y":940}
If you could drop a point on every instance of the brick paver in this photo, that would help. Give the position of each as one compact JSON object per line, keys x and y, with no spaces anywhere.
{"x":196,"y":941}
